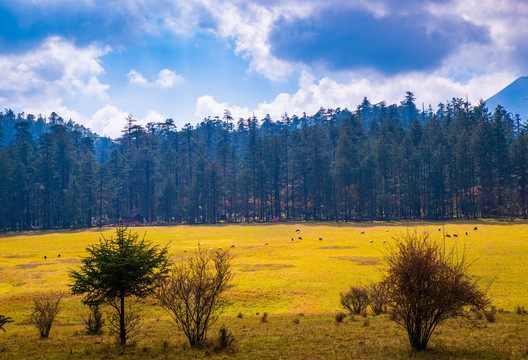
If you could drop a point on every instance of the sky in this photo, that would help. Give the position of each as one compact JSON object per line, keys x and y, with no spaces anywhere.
{"x":97,"y":61}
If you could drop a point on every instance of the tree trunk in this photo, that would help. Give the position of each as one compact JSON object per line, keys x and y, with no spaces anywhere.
{"x":122,"y":331}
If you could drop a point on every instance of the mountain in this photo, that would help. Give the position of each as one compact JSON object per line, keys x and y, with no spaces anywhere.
{"x":514,"y":98}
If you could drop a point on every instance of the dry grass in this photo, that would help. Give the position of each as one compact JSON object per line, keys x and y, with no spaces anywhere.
{"x":283,"y":278}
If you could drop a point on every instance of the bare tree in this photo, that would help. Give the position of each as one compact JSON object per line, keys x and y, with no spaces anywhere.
{"x":45,"y":309}
{"x":425,"y":285}
{"x":192,"y":294}
{"x":355,"y":300}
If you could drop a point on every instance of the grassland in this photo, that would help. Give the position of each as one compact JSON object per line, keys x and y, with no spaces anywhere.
{"x":289,"y":280}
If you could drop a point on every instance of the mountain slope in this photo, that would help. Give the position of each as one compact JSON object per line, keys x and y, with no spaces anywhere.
{"x":514,"y":98}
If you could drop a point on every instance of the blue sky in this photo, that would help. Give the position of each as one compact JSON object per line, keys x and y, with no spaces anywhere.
{"x":97,"y":61}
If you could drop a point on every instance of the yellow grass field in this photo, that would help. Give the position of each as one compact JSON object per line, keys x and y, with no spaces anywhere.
{"x":284,"y":278}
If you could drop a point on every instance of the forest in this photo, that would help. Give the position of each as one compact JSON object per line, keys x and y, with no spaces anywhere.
{"x":378,"y":162}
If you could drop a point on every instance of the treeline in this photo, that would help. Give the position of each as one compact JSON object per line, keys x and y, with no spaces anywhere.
{"x":379,"y":162}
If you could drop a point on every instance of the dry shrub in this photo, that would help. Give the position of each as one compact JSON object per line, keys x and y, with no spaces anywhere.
{"x":426,"y":285}
{"x":490,"y":315}
{"x":377,"y":298}
{"x":355,"y":300}
{"x":264,"y":317}
{"x":240,"y":315}
{"x":193,"y":293}
{"x":45,"y":309}
{"x":519,"y":310}
{"x":339,"y":317}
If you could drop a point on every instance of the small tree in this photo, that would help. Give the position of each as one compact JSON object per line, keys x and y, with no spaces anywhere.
{"x":192,"y":295}
{"x":94,"y":322}
{"x":355,"y":300}
{"x":118,"y":268}
{"x":45,"y":309}
{"x":3,"y":321}
{"x":425,"y":285}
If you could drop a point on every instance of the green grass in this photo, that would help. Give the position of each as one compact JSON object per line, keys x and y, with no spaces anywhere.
{"x":283,"y":278}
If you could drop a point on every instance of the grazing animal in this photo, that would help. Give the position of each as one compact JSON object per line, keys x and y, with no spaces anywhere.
{"x":320,"y":239}
{"x":439,"y":229}
{"x":219,"y":248}
{"x":45,"y":257}
{"x":297,"y":231}
{"x":362,"y":232}
{"x":466,"y":233}
{"x":371,"y":241}
{"x":448,"y":235}
{"x":475,"y":228}
{"x":266,"y":244}
{"x":387,"y":230}
{"x":185,"y":250}
{"x":58,"y":256}
{"x":292,"y":239}
{"x":455,"y":235}
{"x":300,"y":238}
{"x":210,"y":249}
{"x":384,"y":241}
{"x":232,"y":246}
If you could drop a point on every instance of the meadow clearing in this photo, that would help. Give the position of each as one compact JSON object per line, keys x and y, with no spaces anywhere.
{"x":296,"y":282}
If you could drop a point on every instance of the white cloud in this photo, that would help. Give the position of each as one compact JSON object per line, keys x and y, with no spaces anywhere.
{"x":108,"y":120}
{"x":136,"y":78}
{"x":166,"y":79}
{"x":207,"y":106}
{"x":43,"y":77}
{"x":329,"y":93}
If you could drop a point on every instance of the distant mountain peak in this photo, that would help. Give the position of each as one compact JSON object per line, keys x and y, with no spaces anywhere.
{"x":514,"y":98}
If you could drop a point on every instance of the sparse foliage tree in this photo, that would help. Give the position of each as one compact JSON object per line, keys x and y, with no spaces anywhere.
{"x":45,"y":309}
{"x":355,"y":300}
{"x":426,"y":285}
{"x":192,"y":294}
{"x":3,"y":321}
{"x":119,"y":268}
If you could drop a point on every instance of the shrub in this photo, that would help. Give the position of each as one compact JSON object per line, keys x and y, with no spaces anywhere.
{"x":426,"y":285}
{"x":4,"y":320}
{"x":296,"y":321}
{"x":94,"y":322}
{"x":45,"y":309}
{"x":520,"y":310}
{"x":490,"y":315}
{"x":192,"y":294}
{"x":377,"y":298}
{"x":226,"y":340}
{"x":264,"y":317}
{"x":339,"y":317}
{"x":240,"y":315}
{"x":355,"y":300}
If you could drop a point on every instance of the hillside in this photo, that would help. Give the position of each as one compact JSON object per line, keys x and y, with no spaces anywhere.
{"x":514,"y":98}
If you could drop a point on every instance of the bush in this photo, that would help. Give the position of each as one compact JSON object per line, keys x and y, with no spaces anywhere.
{"x":192,"y":294}
{"x":426,"y":285}
{"x":94,"y":322}
{"x":339,"y":317}
{"x":520,"y":310}
{"x":45,"y":309}
{"x":226,"y":340}
{"x":355,"y":300}
{"x":490,"y":315}
{"x":264,"y":317}
{"x":377,"y":298}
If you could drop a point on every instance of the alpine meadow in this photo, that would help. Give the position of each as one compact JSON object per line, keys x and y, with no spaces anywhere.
{"x":286,"y":179}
